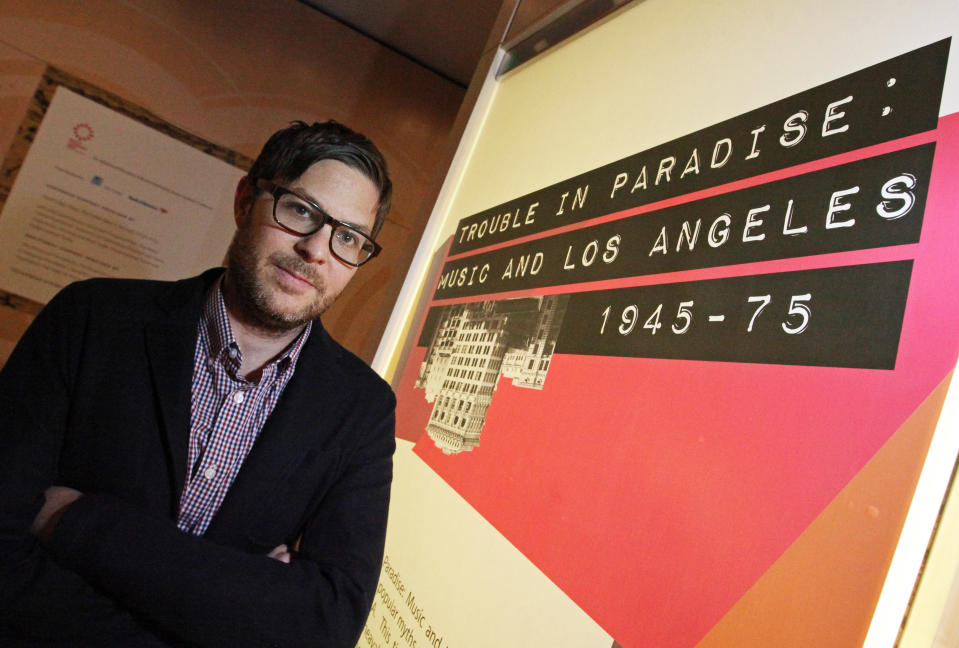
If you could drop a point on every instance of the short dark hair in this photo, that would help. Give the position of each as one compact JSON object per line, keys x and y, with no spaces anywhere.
{"x":291,"y":151}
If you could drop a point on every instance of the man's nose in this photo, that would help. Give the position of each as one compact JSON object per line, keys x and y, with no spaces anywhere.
{"x":315,"y":248}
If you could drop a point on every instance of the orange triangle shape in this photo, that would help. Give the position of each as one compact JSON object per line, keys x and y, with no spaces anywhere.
{"x":822,"y":591}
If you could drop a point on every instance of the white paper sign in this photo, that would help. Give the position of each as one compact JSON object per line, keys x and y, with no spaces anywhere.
{"x":102,"y":195}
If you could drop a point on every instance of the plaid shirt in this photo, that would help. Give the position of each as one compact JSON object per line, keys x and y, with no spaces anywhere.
{"x":227,"y":412}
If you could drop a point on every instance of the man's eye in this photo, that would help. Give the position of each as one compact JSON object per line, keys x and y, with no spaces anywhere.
{"x":295,"y":208}
{"x":346,"y":237}
{"x":302,"y":210}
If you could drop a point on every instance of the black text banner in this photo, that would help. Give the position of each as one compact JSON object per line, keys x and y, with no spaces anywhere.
{"x":870,"y":203}
{"x":848,"y":316}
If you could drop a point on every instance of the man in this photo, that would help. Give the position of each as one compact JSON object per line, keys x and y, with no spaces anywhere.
{"x":164,"y":447}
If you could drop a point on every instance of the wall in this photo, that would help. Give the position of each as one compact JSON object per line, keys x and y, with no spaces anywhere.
{"x":233,"y":73}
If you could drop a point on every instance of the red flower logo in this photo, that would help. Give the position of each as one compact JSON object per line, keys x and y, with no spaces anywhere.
{"x":83,"y":132}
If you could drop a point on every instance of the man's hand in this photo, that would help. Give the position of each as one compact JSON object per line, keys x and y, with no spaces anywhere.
{"x":58,"y":498}
{"x":281,"y":553}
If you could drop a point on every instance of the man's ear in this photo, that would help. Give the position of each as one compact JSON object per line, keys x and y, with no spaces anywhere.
{"x":243,"y":201}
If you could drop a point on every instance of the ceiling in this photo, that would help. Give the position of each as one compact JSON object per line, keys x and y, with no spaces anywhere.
{"x":449,"y":36}
{"x":445,"y":36}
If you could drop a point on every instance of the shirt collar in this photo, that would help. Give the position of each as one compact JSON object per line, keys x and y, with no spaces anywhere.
{"x":222,"y":345}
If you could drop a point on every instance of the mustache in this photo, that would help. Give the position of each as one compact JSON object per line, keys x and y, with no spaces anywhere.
{"x":296,"y":265}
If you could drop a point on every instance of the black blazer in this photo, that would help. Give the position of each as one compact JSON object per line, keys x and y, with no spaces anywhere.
{"x":96,"y":396}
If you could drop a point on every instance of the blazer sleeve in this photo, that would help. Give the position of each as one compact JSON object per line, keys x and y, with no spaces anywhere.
{"x":213,"y":595}
{"x":39,"y":597}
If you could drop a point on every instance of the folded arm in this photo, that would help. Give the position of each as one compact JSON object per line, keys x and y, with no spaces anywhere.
{"x":39,"y":598}
{"x":215,"y":595}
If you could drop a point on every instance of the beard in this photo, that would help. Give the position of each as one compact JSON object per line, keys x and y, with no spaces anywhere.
{"x":255,"y":296}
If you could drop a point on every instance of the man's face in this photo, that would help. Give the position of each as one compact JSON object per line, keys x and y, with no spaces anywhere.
{"x":278,"y":280}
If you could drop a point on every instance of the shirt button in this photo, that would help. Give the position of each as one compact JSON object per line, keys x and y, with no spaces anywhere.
{"x":238,"y":397}
{"x":209,"y":473}
{"x":231,"y":352}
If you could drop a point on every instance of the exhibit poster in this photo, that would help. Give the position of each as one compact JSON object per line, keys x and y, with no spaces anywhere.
{"x":101,"y":194}
{"x":683,"y":395}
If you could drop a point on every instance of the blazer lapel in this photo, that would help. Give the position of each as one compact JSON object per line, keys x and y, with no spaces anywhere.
{"x":301,"y":424}
{"x":170,"y":345}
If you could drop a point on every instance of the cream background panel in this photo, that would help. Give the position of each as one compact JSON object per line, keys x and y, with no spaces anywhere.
{"x":472,"y":584}
{"x":934,"y":615}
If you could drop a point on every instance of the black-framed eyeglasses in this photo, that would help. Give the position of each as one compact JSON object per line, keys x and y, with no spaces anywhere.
{"x":299,"y":215}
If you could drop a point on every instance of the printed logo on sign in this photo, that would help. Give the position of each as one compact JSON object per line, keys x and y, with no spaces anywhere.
{"x":81,"y":134}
